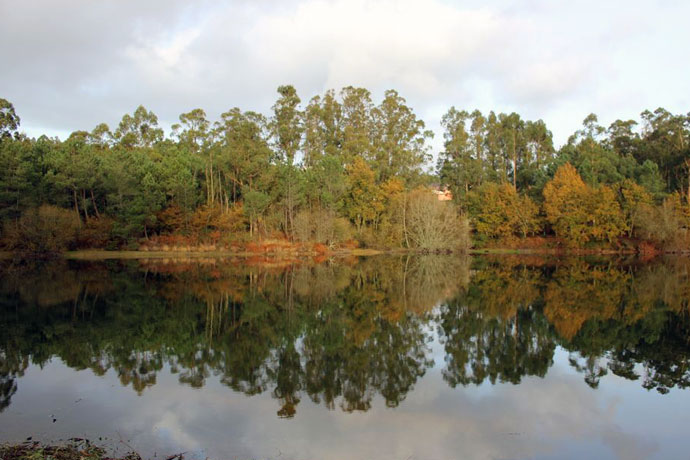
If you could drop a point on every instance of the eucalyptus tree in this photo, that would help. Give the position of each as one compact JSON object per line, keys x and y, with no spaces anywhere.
{"x":539,"y":154}
{"x":100,"y":136}
{"x":666,"y":141}
{"x":245,"y":159}
{"x":323,"y":128}
{"x":9,"y":120}
{"x":512,"y":142}
{"x":139,"y":129}
{"x":399,"y":140}
{"x":287,"y":128}
{"x":622,"y":137}
{"x":14,"y":187}
{"x":244,"y":148}
{"x":324,"y":161}
{"x":357,"y":124}
{"x":457,"y":165}
{"x":194,"y":137}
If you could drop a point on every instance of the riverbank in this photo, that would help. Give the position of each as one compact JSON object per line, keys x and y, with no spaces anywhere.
{"x":282,"y":250}
{"x":99,"y":254}
{"x":73,"y":449}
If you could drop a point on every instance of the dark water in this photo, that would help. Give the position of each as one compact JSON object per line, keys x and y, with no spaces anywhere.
{"x":433,"y":357}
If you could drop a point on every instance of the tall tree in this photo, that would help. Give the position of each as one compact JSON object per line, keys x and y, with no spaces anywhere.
{"x":400,"y":140}
{"x":9,"y":120}
{"x":139,"y":129}
{"x":288,"y":128}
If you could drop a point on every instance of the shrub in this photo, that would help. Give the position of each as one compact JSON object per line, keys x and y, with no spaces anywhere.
{"x":95,"y":232}
{"x":432,"y":224}
{"x":42,"y":231}
{"x":665,"y":225}
{"x":321,"y":226}
{"x":209,"y":218}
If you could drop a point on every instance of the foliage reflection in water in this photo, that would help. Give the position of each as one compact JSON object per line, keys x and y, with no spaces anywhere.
{"x":342,"y":332}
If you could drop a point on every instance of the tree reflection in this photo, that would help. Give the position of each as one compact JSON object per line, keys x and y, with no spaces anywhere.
{"x":342,"y":334}
{"x":337,"y":333}
{"x":610,"y":317}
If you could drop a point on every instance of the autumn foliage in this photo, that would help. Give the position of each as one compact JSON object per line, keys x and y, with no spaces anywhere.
{"x":43,"y":230}
{"x":579,"y":213}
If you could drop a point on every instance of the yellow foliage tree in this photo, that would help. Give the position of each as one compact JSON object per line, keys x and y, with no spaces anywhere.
{"x":579,"y":213}
{"x":364,"y":200}
{"x":499,"y":211}
{"x":606,"y":221}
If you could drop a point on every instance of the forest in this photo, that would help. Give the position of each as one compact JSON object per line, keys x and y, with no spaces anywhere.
{"x":344,"y":171}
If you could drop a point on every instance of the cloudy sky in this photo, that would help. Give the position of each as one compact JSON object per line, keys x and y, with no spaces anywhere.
{"x":554,"y":417}
{"x":72,"y":64}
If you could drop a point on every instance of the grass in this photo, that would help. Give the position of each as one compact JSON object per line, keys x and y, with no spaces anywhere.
{"x":74,"y":449}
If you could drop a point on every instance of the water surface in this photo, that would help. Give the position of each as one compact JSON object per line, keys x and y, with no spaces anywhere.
{"x":429,"y":357}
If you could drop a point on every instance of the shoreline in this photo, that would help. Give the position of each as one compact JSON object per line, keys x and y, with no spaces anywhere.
{"x":102,"y":254}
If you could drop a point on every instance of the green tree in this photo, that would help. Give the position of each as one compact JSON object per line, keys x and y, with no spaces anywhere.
{"x":287,"y":126}
{"x":399,"y":140}
{"x":139,"y":129}
{"x":9,"y":120}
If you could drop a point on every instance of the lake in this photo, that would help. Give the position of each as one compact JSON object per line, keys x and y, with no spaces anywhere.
{"x":405,"y":357}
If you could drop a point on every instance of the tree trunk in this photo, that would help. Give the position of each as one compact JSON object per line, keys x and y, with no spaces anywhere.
{"x":83,"y":204}
{"x":407,"y":241}
{"x":514,"y":160}
{"x":95,"y":208}
{"x":76,"y":203}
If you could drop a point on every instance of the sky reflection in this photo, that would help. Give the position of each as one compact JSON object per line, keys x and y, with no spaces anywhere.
{"x":552,"y":417}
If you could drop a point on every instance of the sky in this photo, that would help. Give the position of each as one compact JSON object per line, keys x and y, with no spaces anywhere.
{"x":73,"y":64}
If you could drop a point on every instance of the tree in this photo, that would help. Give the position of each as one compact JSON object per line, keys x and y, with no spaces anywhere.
{"x":287,"y":124}
{"x":564,"y":204}
{"x":499,"y":211}
{"x":358,"y":124}
{"x":134,"y":192}
{"x":633,"y":199}
{"x":244,"y":153}
{"x":432,"y":224}
{"x":399,"y":140}
{"x":579,"y":213}
{"x":458,"y":165}
{"x":323,"y":129}
{"x":364,"y":199}
{"x":75,"y":169}
{"x":287,"y":127}
{"x":606,"y":220}
{"x":513,"y":141}
{"x":139,"y":129}
{"x":9,"y":120}
{"x":666,"y":141}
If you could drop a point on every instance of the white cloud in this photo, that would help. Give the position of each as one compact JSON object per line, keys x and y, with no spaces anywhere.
{"x":71,"y":65}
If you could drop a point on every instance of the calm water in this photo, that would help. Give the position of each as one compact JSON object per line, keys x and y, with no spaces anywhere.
{"x":385,"y":358}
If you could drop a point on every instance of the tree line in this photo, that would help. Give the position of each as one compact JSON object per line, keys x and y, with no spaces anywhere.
{"x":343,"y":168}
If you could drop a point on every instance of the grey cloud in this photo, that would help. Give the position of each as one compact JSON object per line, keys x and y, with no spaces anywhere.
{"x":70,"y":65}
{"x":540,"y":418}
